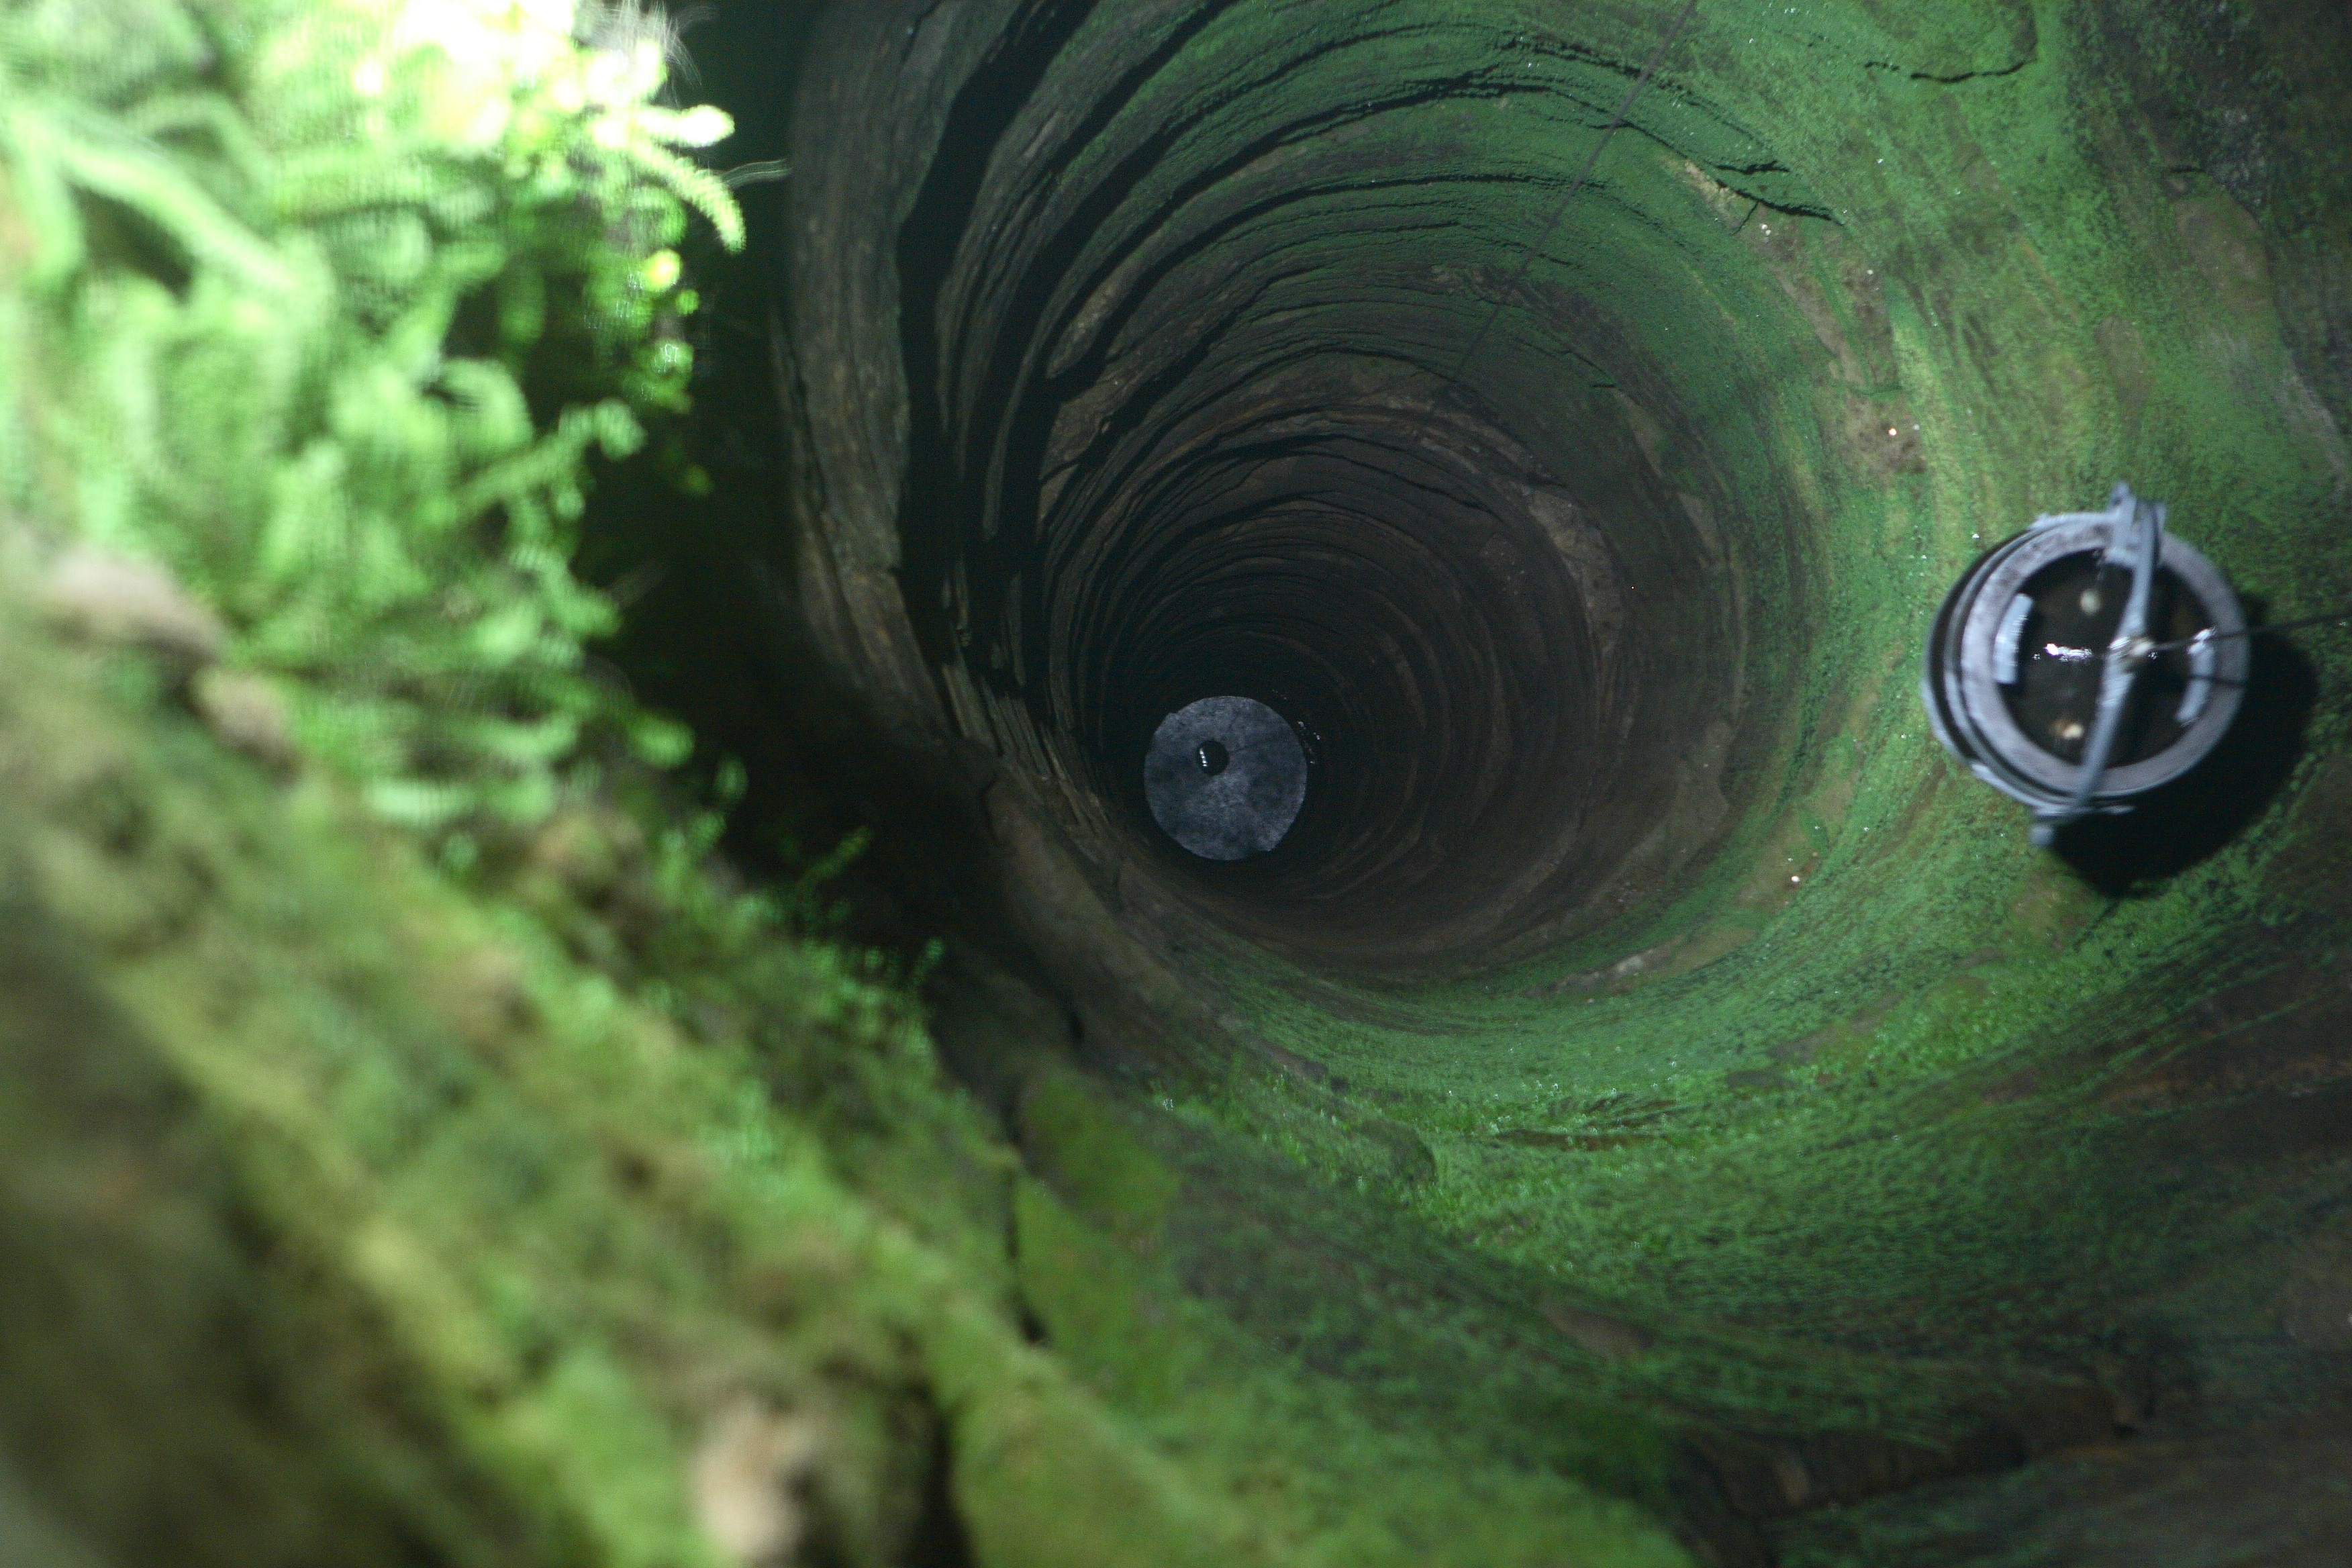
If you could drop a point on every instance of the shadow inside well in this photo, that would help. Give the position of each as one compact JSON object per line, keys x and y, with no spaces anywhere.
{"x":2173,"y":828}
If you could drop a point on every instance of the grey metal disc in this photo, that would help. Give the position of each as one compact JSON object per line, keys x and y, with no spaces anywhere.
{"x":1225,"y":778}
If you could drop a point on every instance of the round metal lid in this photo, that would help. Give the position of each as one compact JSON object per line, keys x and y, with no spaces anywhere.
{"x":1225,"y":778}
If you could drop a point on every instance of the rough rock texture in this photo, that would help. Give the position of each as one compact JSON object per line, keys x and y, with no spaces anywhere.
{"x":1651,"y":1110}
{"x":1655,"y":1039}
{"x":351,"y":1215}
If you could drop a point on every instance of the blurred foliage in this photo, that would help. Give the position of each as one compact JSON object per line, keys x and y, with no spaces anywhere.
{"x":522,"y":1201}
{"x":324,"y":308}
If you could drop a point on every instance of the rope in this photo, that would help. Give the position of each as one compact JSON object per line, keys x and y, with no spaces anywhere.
{"x":2209,"y":635}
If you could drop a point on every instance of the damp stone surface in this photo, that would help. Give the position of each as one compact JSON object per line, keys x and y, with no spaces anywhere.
{"x":1649,"y":1064}
{"x":587,"y":969}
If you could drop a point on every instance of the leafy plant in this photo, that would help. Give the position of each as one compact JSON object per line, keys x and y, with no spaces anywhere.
{"x":323,"y":307}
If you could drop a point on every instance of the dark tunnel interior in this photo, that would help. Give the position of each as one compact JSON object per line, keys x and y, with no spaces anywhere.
{"x":1645,"y":1041}
{"x":1155,"y":455}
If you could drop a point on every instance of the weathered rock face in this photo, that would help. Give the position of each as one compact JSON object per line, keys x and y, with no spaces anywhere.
{"x":1154,"y":352}
{"x":1648,"y":1099}
{"x":1148,"y":351}
{"x":1140,"y":376}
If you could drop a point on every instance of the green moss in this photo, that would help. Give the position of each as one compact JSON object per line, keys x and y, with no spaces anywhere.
{"x":1310,"y":1470}
{"x":364,"y":1203}
{"x":1856,"y":1124}
{"x":1089,"y":1300}
{"x":501,"y":1243}
{"x":324,"y":308}
{"x":1095,"y":1159}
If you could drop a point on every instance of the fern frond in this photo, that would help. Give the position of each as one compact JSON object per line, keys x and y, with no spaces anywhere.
{"x":695,"y":185}
{"x":250,"y":367}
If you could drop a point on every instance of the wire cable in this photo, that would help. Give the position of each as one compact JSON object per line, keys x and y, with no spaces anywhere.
{"x":2209,"y":635}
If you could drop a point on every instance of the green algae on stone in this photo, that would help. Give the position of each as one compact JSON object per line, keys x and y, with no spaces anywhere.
{"x":1866,"y":1123}
{"x":500,"y":1244}
{"x":1860,"y":1144}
